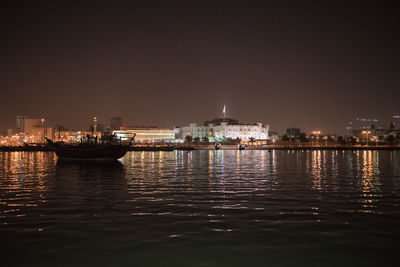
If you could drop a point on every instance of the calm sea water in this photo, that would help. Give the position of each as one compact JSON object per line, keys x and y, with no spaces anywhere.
{"x":202,"y":208}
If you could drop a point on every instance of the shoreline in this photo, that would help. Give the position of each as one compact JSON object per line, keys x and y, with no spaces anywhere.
{"x":355,"y":148}
{"x":226,"y":147}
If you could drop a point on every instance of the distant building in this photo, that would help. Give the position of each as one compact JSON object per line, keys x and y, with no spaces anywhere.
{"x":146,"y":134}
{"x":293,"y":132}
{"x":96,"y":127}
{"x":31,"y":130}
{"x":378,"y":131}
{"x":115,"y":123}
{"x":20,"y":122}
{"x":25,"y":125}
{"x":30,"y":126}
{"x":225,"y":128}
{"x":12,"y":131}
{"x":375,"y":131}
{"x":360,"y":124}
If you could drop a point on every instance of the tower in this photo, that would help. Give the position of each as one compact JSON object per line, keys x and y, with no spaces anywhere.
{"x":95,"y":124}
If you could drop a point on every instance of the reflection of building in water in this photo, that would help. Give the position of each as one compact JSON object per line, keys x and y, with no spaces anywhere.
{"x":316,"y":168}
{"x":262,"y":162}
{"x":334,"y":161}
{"x":210,"y":165}
{"x":395,"y":162}
{"x":24,"y":176}
{"x":271,"y":170}
{"x":350,"y":164}
{"x":370,"y":184}
{"x":189,"y":163}
{"x":274,"y":165}
{"x":394,"y":159}
{"x":323,"y":166}
{"x":216,"y":164}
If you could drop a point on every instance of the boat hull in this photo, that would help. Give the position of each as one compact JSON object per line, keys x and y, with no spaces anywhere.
{"x":109,"y":152}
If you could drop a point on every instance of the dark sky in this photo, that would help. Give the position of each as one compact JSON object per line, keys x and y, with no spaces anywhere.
{"x":308,"y":64}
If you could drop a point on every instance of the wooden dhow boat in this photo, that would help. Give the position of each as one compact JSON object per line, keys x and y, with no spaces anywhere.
{"x":106,"y":148}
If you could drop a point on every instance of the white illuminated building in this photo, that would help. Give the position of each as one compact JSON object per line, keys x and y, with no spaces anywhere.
{"x":146,"y":134}
{"x":226,"y":128}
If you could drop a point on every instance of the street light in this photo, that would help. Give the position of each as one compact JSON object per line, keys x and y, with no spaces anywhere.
{"x":366,"y":135}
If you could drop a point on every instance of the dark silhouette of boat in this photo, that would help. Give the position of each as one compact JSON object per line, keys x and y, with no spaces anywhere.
{"x":107,"y":148}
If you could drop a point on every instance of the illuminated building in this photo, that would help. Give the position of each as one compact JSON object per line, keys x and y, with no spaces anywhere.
{"x":31,"y":130}
{"x":146,"y":134}
{"x":226,"y":128}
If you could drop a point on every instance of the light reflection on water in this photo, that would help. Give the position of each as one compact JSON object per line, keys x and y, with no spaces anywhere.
{"x":245,"y":204}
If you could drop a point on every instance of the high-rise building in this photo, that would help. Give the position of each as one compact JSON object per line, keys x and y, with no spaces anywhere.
{"x":115,"y":123}
{"x":19,"y":123}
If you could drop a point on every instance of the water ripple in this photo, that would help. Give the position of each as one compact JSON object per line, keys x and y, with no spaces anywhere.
{"x":189,"y":207}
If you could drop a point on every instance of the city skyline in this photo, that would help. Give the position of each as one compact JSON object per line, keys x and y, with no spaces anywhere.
{"x":355,"y":124}
{"x":306,"y":64}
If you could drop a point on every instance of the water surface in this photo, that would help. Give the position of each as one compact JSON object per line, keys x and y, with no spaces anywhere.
{"x":202,"y":208}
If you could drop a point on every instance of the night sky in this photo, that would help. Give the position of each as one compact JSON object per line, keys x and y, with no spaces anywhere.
{"x":308,"y":64}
